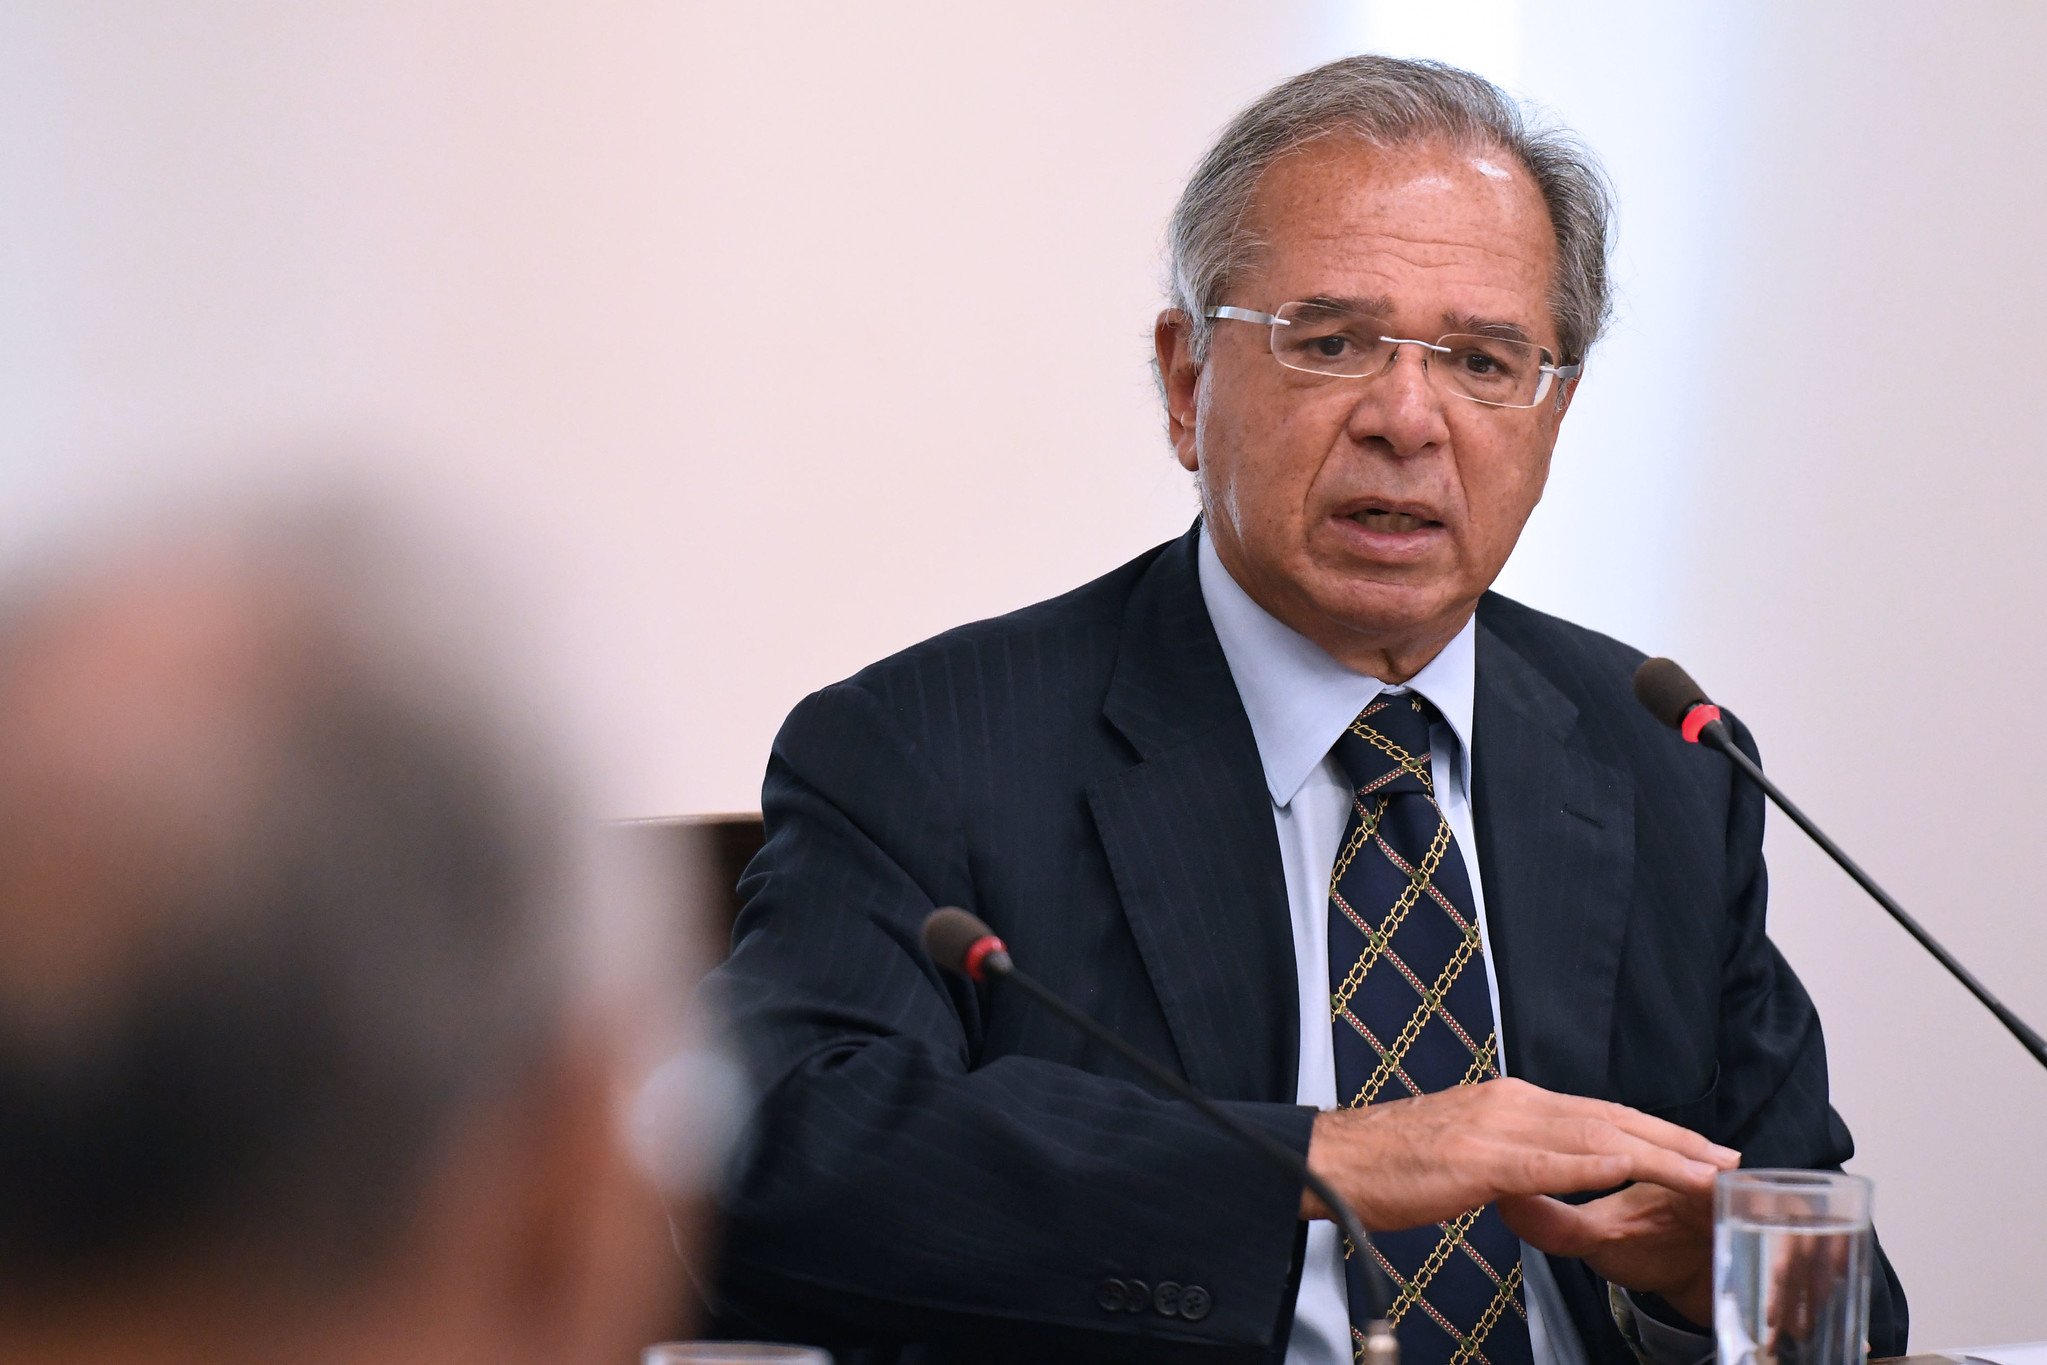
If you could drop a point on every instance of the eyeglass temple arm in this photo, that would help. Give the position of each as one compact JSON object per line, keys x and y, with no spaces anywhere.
{"x":1246,"y":315}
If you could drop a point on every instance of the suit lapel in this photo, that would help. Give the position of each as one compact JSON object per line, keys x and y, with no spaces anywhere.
{"x":1190,"y":841}
{"x":1556,"y":850}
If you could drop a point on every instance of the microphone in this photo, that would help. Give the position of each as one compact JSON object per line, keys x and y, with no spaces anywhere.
{"x":1673,"y":698}
{"x":965,"y":946}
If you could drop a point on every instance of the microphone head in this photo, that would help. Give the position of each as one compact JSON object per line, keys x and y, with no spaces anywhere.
{"x":1667,"y":691}
{"x":950,"y":937}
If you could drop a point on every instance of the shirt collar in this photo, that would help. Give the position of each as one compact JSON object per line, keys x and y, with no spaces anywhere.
{"x":1299,"y":699}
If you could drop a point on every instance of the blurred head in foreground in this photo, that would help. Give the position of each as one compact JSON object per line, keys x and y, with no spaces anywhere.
{"x":297,"y":1052}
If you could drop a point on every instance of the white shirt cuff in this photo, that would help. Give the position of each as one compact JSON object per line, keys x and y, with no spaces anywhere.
{"x":1654,"y":1341}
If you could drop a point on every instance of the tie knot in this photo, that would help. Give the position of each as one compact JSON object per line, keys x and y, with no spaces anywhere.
{"x":1386,"y":749}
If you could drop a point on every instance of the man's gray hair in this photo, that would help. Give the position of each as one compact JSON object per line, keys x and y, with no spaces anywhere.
{"x":1390,"y":102}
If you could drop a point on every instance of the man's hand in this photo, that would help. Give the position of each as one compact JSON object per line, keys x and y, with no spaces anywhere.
{"x":1648,"y":1238}
{"x":1428,"y":1159}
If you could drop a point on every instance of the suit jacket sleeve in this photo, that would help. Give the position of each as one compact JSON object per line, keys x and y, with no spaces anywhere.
{"x":898,"y":1184}
{"x":1771,"y":1100}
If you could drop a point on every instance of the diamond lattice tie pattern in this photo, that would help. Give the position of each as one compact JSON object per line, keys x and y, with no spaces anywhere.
{"x":1410,"y":1014}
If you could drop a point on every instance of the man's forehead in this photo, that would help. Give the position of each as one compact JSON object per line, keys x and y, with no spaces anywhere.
{"x":1433,"y":226}
{"x":1330,"y":191}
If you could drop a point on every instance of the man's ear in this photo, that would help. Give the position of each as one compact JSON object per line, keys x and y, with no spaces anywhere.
{"x":1566,"y":391}
{"x":1179,"y":382}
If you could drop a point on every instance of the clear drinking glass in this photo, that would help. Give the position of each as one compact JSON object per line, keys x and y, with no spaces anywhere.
{"x":731,"y":1353}
{"x":1791,"y":1262}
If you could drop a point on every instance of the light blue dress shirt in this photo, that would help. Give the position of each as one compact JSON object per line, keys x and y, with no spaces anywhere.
{"x":1299,"y":700}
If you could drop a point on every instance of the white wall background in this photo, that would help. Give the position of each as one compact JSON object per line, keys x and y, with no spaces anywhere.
{"x":768,"y":339}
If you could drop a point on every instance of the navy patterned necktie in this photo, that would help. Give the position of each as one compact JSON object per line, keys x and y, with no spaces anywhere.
{"x":1411,"y":1014}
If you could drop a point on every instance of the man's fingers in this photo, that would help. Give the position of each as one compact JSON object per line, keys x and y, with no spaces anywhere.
{"x":1577,"y":1229}
{"x":1683,"y":1141}
{"x":1662,"y":1166}
{"x":1643,"y":1238}
{"x":1476,"y":1144}
{"x":1549,"y":1224}
{"x":1547,"y":1111}
{"x":1659,"y":1132}
{"x":1581,"y":1154}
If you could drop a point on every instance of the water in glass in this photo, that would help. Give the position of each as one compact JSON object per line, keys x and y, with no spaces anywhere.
{"x":1791,"y":1264}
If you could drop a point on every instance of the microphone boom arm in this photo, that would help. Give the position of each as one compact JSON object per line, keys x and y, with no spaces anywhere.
{"x":1339,"y":1210}
{"x":1715,"y":732}
{"x":960,"y":943}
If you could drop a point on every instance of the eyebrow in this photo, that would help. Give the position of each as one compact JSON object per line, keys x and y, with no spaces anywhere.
{"x":1489,"y":327}
{"x":1380,"y":306}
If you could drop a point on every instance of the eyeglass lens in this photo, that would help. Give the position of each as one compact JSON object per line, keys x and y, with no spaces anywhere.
{"x":1353,"y":345}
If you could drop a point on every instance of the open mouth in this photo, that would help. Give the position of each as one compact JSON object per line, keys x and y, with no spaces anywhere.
{"x":1384,"y":521}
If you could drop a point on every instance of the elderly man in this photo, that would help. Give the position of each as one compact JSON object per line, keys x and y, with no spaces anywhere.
{"x":1393,"y":866}
{"x":299,"y":1052}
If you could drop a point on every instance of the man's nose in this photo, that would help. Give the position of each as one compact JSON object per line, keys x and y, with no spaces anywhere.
{"x":1401,"y":406}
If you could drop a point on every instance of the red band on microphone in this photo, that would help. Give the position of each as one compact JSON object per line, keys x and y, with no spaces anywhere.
{"x":1696,"y":719}
{"x":977,"y":953}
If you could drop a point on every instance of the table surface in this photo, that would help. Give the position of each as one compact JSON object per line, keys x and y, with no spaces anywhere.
{"x":2012,"y":1353}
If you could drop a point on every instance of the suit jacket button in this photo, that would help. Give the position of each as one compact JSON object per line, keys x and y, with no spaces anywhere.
{"x":1194,"y":1303}
{"x":1166,"y":1299}
{"x":1110,"y":1295}
{"x":1140,"y":1296}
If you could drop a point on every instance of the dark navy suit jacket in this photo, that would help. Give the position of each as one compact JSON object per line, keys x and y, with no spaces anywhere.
{"x":937,"y":1173}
